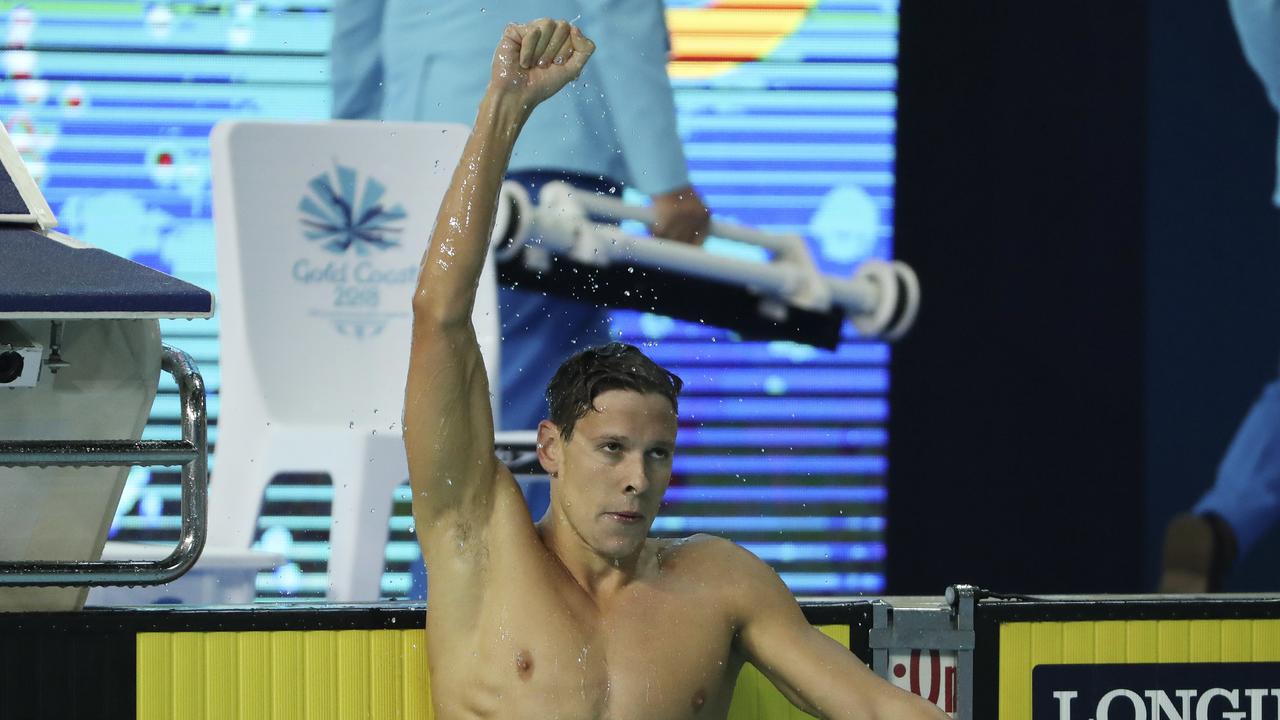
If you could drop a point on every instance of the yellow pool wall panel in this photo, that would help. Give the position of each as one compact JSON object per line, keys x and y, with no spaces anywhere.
{"x":332,"y":675}
{"x":1024,"y":645}
{"x":314,"y":675}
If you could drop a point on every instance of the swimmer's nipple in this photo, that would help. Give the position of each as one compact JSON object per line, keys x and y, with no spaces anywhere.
{"x":524,"y":664}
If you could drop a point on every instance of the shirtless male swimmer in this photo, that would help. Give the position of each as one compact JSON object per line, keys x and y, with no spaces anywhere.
{"x":581,"y":615}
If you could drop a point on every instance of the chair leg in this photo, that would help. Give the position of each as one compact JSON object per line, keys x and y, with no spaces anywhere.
{"x":363,"y":493}
{"x":242,"y":468}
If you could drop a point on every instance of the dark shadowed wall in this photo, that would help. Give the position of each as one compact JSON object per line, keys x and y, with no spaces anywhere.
{"x":1212,"y":263}
{"x":1083,"y":189}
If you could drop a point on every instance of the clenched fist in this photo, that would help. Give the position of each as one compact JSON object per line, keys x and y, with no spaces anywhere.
{"x":533,"y":61}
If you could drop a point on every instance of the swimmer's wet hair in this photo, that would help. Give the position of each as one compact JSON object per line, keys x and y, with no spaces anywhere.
{"x":572,"y":392}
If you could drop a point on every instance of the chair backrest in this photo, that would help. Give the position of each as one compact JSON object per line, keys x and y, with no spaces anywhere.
{"x":321,"y":228}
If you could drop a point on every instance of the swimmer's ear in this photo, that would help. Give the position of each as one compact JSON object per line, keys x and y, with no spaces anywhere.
{"x":549,"y":446}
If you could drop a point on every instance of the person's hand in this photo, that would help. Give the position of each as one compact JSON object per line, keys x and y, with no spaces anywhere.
{"x":533,"y":61}
{"x":680,"y":215}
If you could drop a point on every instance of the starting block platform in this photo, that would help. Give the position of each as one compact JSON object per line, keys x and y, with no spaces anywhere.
{"x":47,"y":275}
{"x":80,"y":360}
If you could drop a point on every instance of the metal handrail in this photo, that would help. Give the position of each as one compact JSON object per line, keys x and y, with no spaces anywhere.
{"x":191,"y":452}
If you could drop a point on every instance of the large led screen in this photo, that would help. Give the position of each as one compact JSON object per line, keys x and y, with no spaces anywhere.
{"x":786,"y":110}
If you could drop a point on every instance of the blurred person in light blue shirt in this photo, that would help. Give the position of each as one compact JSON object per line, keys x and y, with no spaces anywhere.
{"x":1258,"y":24}
{"x":615,"y":128}
{"x":1244,"y":502}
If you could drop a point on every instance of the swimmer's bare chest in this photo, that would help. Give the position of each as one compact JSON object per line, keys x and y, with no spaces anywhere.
{"x":662,"y":649}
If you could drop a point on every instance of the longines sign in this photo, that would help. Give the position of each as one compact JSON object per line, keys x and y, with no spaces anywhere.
{"x":1165,"y":691}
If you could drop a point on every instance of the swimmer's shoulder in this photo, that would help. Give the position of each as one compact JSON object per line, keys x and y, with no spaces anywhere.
{"x":700,"y":553}
{"x":676,"y":547}
{"x":710,"y":557}
{"x":725,"y":573}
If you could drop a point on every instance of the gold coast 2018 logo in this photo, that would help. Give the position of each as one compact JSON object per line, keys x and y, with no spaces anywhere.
{"x":359,"y":230}
{"x":342,"y":219}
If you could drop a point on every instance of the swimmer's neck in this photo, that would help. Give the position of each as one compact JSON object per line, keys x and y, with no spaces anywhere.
{"x":600,"y":577}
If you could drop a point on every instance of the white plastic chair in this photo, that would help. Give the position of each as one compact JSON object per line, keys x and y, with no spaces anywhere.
{"x":321,"y":228}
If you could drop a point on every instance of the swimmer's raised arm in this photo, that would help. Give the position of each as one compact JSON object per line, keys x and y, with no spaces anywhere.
{"x":448,"y":425}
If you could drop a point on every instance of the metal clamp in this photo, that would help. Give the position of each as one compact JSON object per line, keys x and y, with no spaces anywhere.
{"x":191,"y":452}
{"x":910,"y":625}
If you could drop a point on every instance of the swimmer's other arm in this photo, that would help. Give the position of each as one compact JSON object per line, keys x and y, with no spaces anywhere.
{"x":448,"y":425}
{"x":813,"y":671}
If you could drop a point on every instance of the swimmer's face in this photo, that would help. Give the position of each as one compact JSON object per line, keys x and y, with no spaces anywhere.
{"x":612,"y":473}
